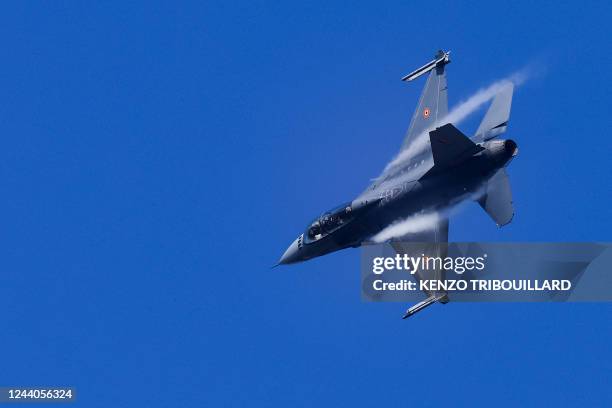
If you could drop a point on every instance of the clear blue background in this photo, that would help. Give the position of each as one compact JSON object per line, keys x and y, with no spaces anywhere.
{"x":157,"y":159}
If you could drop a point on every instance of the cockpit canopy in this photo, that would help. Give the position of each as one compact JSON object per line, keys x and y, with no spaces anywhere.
{"x":328,"y":222}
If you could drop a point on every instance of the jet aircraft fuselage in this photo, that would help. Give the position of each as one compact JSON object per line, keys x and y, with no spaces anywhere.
{"x":400,"y":195}
{"x":436,"y":168}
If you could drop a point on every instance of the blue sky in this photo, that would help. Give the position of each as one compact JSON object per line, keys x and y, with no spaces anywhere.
{"x":158,"y":158}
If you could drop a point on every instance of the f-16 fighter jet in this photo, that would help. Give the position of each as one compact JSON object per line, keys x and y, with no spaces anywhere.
{"x":437,"y":167}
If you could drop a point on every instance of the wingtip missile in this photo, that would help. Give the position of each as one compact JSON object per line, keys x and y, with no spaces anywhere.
{"x":441,"y":58}
{"x":442,"y":298}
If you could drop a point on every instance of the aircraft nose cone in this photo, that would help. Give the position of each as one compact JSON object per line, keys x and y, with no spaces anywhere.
{"x":291,"y":254}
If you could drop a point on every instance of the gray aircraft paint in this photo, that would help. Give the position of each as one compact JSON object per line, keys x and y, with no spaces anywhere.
{"x":447,"y":170}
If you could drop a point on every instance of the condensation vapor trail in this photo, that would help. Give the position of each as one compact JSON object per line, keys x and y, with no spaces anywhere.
{"x":425,"y":221}
{"x":411,"y":225}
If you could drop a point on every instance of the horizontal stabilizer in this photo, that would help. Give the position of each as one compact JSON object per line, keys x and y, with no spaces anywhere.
{"x":449,"y":146}
{"x":496,"y":119}
{"x":497,"y":200}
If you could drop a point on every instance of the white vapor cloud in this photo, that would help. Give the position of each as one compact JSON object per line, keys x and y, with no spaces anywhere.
{"x":411,"y":225}
{"x":426,"y":220}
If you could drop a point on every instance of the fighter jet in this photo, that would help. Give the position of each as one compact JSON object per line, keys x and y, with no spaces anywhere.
{"x":436,"y":168}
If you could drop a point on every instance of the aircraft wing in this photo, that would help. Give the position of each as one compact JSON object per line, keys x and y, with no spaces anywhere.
{"x":433,"y":103}
{"x":432,"y":242}
{"x":431,"y":110}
